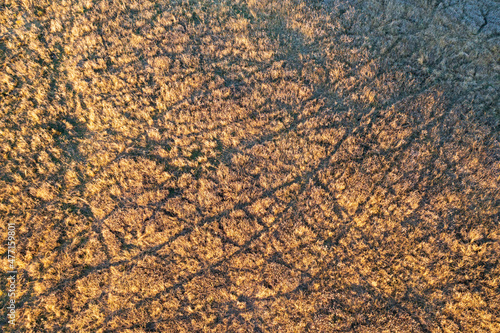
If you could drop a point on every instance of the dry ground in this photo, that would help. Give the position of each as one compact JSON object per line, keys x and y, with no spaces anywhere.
{"x":251,"y":166}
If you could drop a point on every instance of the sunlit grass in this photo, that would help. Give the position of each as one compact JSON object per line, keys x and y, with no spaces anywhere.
{"x":250,"y":166}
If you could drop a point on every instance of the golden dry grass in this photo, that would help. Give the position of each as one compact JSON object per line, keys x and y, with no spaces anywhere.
{"x":251,"y":166}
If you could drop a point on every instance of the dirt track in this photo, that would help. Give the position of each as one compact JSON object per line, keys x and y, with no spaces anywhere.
{"x":251,"y":166}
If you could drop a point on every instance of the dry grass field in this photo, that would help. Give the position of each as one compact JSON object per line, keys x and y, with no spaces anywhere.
{"x":251,"y":166}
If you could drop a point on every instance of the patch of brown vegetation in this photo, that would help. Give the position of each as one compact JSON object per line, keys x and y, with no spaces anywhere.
{"x":244,"y":166}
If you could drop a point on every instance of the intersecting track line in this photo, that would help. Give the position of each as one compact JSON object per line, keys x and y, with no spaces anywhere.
{"x":294,"y":124}
{"x":244,"y":247}
{"x":96,"y":225}
{"x":309,"y":176}
{"x":304,"y":179}
{"x":185,"y":230}
{"x":348,"y":226}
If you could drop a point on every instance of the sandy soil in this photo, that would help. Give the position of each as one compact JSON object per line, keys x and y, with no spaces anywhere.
{"x":251,"y":166}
